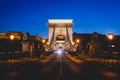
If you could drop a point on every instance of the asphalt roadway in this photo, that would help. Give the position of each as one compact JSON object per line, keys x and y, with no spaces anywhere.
{"x":59,"y":67}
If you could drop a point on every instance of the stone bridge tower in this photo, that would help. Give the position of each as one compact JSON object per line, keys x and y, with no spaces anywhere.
{"x":60,"y":34}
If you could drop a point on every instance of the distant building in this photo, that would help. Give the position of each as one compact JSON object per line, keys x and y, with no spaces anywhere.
{"x":2,"y":36}
{"x":84,"y":40}
{"x":17,"y":35}
{"x":10,"y":42}
{"x":97,"y":43}
{"x":19,"y":42}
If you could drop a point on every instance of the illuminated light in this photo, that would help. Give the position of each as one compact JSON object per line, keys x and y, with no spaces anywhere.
{"x":48,"y":43}
{"x":77,"y":40}
{"x":60,"y":37}
{"x":60,"y":20}
{"x":43,"y":41}
{"x":59,"y":51}
{"x":113,"y":45}
{"x":73,"y":43}
{"x":110,"y":36}
{"x":12,"y":37}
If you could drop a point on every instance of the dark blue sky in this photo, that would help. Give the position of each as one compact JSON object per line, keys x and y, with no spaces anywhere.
{"x":102,"y":16}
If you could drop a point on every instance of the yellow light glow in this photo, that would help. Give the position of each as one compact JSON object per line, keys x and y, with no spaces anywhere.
{"x":60,"y":37}
{"x":77,"y":40}
{"x":48,"y":43}
{"x":43,"y":41}
{"x":110,"y":36}
{"x":12,"y":37}
{"x":73,"y":43}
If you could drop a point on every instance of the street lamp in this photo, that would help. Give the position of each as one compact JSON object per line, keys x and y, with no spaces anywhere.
{"x":12,"y":37}
{"x":76,"y":44}
{"x":111,"y":42}
{"x":43,"y":41}
{"x":110,"y":36}
{"x":73,"y":43}
{"x":77,"y":40}
{"x":48,"y":43}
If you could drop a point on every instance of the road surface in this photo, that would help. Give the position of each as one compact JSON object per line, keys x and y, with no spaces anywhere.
{"x":59,"y":67}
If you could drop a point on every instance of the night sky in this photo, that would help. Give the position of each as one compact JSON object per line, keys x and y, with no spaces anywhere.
{"x":102,"y":16}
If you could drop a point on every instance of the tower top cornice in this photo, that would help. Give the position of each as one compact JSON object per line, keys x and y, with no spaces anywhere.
{"x":54,"y":21}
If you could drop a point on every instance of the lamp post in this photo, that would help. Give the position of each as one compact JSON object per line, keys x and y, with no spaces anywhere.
{"x":47,"y":46}
{"x":12,"y":37}
{"x":44,"y":43}
{"x":73,"y":46}
{"x":110,"y":37}
{"x":77,"y":43}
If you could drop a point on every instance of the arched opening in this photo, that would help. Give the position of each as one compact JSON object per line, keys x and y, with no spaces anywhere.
{"x":60,"y":38}
{"x":60,"y":41}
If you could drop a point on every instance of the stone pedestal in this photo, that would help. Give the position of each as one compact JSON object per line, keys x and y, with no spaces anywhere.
{"x":27,"y":47}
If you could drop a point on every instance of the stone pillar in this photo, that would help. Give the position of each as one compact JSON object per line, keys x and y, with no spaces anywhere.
{"x":31,"y":50}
